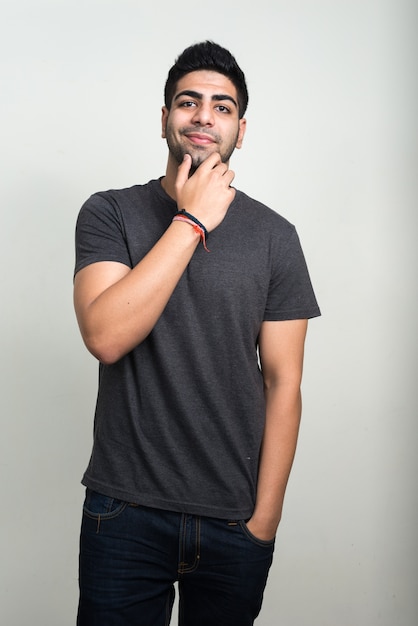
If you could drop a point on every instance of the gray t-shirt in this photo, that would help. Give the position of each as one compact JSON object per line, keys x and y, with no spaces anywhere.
{"x":179,"y":419}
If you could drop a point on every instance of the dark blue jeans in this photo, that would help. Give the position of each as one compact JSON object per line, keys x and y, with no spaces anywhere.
{"x":131,"y":555}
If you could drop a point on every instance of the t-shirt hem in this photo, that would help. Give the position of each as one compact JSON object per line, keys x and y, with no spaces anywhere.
{"x":98,"y":259}
{"x":190,"y":508}
{"x":282,"y":316}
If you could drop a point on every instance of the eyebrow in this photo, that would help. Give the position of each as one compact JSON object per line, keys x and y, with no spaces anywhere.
{"x":219,"y":97}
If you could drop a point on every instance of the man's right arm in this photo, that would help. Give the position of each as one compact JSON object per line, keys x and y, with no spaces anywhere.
{"x":116,"y":306}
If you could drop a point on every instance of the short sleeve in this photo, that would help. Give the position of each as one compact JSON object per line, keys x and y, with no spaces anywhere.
{"x":291,"y":295}
{"x":100,"y":233}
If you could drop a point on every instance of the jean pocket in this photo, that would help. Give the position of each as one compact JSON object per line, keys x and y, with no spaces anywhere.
{"x":253,"y":538}
{"x":98,"y":506}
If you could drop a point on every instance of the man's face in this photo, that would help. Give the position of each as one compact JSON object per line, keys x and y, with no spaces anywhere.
{"x":203,"y":118}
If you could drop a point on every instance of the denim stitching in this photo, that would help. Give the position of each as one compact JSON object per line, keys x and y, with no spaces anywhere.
{"x":183,"y":567}
{"x":108,"y":514}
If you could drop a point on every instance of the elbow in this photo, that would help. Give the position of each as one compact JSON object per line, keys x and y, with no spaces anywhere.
{"x":107,"y":357}
{"x":288,"y":390}
{"x":104,"y":350}
{"x":275,"y":383}
{"x":108,"y":342}
{"x":108,"y":348}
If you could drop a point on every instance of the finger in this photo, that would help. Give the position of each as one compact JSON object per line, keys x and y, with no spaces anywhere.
{"x":220,"y":167}
{"x":212,"y":161}
{"x":229,"y":176}
{"x":223,"y":168}
{"x":183,"y":171}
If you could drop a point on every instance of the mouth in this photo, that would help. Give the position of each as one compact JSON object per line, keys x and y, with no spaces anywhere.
{"x":200,"y":139}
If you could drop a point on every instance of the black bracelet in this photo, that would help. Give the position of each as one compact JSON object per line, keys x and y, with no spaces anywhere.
{"x":195,"y":220}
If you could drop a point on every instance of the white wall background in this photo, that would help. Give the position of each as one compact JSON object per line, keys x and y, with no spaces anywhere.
{"x":331,"y":144}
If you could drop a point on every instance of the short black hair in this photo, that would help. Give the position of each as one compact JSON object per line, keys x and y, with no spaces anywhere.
{"x":207,"y":55}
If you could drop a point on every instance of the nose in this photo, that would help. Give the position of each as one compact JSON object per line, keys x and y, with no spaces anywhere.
{"x":203,"y":115}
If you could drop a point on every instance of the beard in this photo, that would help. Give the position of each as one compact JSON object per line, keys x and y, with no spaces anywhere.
{"x":198,"y":153}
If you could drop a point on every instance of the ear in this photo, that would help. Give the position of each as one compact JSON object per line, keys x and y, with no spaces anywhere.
{"x":164,"y":116}
{"x":241,"y":132}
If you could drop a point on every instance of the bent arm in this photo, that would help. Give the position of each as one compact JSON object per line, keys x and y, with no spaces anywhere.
{"x":117,"y":307}
{"x":281,"y":354}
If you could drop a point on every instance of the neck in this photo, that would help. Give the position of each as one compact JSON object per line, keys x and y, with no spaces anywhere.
{"x":169,"y":179}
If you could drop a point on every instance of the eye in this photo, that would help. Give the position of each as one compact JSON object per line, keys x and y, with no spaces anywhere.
{"x":187,"y":104}
{"x":223,"y":109}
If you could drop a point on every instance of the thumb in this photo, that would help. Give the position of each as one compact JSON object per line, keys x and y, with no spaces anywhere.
{"x":183,"y":171}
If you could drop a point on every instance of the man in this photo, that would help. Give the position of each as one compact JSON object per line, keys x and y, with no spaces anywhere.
{"x":195,"y":299}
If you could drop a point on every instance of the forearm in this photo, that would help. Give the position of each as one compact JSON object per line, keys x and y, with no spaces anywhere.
{"x":283,"y":412}
{"x":122,"y":315}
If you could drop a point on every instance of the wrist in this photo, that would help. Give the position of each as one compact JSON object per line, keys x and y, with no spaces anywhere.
{"x":186,"y":233}
{"x":268,"y":521}
{"x":265,"y":530}
{"x":191,"y":220}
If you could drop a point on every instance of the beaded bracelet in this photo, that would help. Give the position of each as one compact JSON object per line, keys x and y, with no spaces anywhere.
{"x":183,"y":216}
